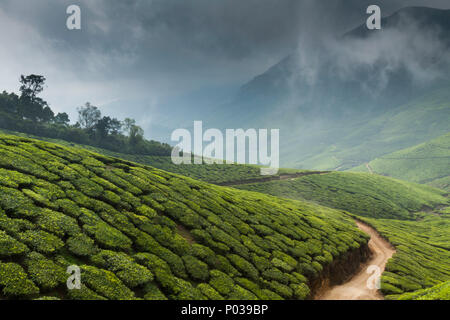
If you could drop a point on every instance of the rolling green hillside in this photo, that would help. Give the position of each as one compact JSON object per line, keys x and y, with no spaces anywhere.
{"x":139,"y":232}
{"x":391,"y":206}
{"x":361,"y":141}
{"x":359,"y":193}
{"x":427,"y":163}
{"x":212,"y":173}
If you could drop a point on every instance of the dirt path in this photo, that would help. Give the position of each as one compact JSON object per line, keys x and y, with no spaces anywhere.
{"x":369,"y":168}
{"x":356,"y":288}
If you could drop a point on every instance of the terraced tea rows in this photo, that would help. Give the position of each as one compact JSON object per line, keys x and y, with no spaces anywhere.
{"x":212,"y":173}
{"x":363,"y":194}
{"x":426,"y":163}
{"x":423,"y":253}
{"x":139,"y":232}
{"x":390,"y":206}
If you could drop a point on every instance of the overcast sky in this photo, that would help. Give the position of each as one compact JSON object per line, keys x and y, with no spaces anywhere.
{"x":132,"y":57}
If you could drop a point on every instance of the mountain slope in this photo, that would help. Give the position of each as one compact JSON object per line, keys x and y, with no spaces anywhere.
{"x":359,"y":193}
{"x":425,"y":163}
{"x":415,"y":122}
{"x":212,"y":173}
{"x":345,"y":102}
{"x":139,"y":232}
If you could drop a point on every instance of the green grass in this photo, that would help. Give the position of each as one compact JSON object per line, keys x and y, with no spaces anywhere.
{"x":138,"y":232}
{"x":359,"y":193}
{"x":426,"y":163}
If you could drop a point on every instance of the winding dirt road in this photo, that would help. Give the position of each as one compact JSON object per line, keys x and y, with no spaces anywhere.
{"x":356,"y":288}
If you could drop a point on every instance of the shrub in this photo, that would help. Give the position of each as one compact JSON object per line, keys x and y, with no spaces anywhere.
{"x":68,"y":207}
{"x":14,"y":226}
{"x":57,"y":223}
{"x":275,"y":274}
{"x":41,"y":241}
{"x":247,"y":284}
{"x":301,"y":291}
{"x":152,"y":292}
{"x":103,"y":233}
{"x":152,"y":262}
{"x":146,"y":211}
{"x":186,"y":291}
{"x":48,"y":298}
{"x":13,"y":179}
{"x":131,"y":273}
{"x":14,"y":281}
{"x":14,"y":200}
{"x":239,"y":293}
{"x":209,"y":292}
{"x":174,"y":261}
{"x":81,"y":245}
{"x":221,"y":282}
{"x":84,"y":294}
{"x":266,"y":294}
{"x":10,"y":246}
{"x":88,"y":187}
{"x":244,"y":266}
{"x":105,"y":283}
{"x":197,"y":269}
{"x":280,"y":289}
{"x":44,"y":272}
{"x":39,"y":199}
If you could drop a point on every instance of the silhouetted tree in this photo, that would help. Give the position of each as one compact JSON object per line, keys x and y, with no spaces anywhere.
{"x":136,"y":135}
{"x":128,"y":124}
{"x":88,"y":116}
{"x":62,"y":119}
{"x":31,"y":86}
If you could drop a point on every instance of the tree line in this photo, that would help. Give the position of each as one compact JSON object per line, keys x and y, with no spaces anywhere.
{"x":28,"y":113}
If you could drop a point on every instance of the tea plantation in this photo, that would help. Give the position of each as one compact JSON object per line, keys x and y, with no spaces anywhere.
{"x":422,"y":240}
{"x":426,"y":163}
{"x":212,"y":173}
{"x":438,"y":292}
{"x":423,"y":253}
{"x":138,"y":232}
{"x":360,"y":193}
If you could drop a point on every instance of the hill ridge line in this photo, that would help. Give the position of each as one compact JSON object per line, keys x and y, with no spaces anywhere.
{"x":270,"y":178}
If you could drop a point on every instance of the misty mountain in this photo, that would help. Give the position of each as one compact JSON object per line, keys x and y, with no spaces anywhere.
{"x":320,"y":94}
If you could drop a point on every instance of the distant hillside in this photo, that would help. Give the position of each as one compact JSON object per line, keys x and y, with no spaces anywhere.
{"x":141,"y":233}
{"x":415,"y":122}
{"x":362,"y":194}
{"x":335,"y":114}
{"x":425,"y":163}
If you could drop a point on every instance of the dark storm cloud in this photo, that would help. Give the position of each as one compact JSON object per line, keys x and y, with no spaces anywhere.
{"x":185,"y":35}
{"x":148,"y":50}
